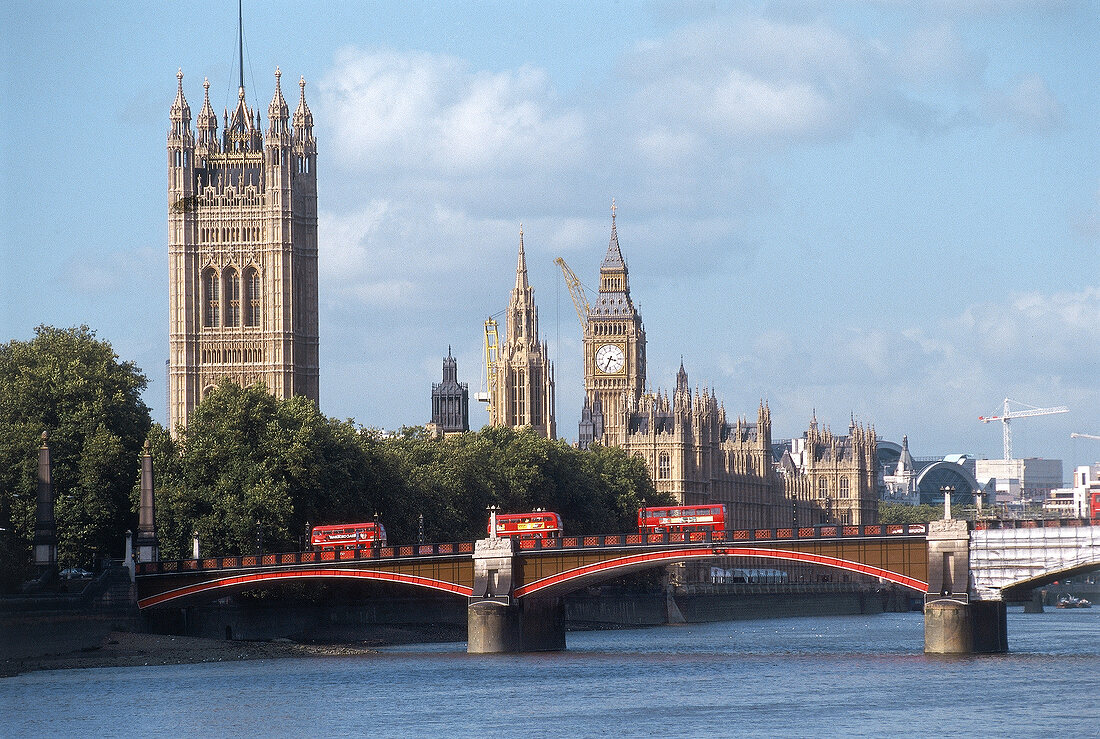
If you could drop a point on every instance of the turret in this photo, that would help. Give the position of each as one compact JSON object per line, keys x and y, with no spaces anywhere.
{"x":207,"y":123}
{"x":278,"y":115}
{"x":180,"y":115}
{"x":181,"y":151}
{"x":305,"y":146}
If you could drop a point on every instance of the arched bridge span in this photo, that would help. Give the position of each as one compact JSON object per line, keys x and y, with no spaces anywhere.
{"x":177,"y":583}
{"x":900,"y":558}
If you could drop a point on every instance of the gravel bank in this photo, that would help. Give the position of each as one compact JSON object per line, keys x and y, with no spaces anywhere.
{"x":123,"y":649}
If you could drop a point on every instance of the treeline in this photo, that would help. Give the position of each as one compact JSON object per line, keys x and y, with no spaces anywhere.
{"x":248,"y":462}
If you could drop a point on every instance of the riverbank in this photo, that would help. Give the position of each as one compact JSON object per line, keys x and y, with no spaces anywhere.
{"x":126,"y":649}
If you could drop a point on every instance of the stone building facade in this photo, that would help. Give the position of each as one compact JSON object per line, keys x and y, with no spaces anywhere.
{"x":838,"y":474}
{"x":242,"y":248}
{"x":450,"y":401}
{"x":698,"y":456}
{"x":522,"y":391}
{"x":694,"y":452}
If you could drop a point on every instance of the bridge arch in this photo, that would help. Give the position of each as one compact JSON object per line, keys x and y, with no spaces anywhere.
{"x":222,"y":586}
{"x":596,"y":572}
{"x":1021,"y":587}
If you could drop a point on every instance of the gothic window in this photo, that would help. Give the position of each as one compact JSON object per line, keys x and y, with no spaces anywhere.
{"x":664,"y":467}
{"x":233,"y":298}
{"x":844,"y":487}
{"x":210,"y":297}
{"x":822,"y":487}
{"x":536,"y":396}
{"x":253,"y":296}
{"x":519,"y":397}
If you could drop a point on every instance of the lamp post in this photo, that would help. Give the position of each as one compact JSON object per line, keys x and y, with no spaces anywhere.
{"x":641,"y":517}
{"x":947,"y":490}
{"x":259,"y":538}
{"x":420,"y":528}
{"x":492,"y":521}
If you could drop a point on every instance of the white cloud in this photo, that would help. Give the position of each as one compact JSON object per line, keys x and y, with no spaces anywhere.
{"x":1029,"y":105}
{"x":430,"y":112}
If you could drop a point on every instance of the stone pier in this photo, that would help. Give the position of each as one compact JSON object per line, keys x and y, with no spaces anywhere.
{"x":955,"y":623}
{"x":499,"y":623}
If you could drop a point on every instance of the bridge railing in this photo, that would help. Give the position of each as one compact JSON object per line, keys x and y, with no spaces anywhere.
{"x":328,"y":556}
{"x":830,"y":531}
{"x":248,"y":561}
{"x":1042,"y":523}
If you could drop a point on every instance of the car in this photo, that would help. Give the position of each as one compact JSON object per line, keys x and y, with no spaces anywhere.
{"x":74,"y":573}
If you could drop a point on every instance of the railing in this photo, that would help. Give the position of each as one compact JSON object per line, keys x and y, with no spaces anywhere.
{"x":831,"y":531}
{"x":1042,"y":523}
{"x":304,"y":558}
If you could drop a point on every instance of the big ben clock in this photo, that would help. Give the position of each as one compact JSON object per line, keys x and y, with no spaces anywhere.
{"x":610,"y":359}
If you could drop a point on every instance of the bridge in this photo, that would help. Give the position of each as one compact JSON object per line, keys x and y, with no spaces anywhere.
{"x":513,"y":588}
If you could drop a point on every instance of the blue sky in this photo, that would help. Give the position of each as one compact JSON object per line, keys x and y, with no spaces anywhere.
{"x":883,"y":209}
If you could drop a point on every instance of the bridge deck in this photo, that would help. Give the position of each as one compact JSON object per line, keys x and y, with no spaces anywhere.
{"x":894,"y":552}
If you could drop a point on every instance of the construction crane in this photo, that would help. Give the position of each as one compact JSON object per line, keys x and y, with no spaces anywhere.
{"x":1009,"y":414}
{"x":1085,"y":436}
{"x":492,"y":354}
{"x":576,"y":291}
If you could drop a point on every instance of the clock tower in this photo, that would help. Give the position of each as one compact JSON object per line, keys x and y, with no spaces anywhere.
{"x":614,"y":344}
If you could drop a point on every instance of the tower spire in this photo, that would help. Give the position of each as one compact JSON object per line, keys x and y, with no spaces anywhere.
{"x":521,"y":264}
{"x":614,"y":257}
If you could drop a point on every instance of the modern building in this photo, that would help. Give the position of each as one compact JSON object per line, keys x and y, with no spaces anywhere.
{"x":450,"y":401}
{"x":1073,"y":502}
{"x":242,"y":249}
{"x":522,"y":393}
{"x":1019,"y":481}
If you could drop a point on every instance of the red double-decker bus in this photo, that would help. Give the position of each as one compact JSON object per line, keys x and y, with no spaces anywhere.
{"x":676,"y":519}
{"x":535,"y":525}
{"x":348,"y":536}
{"x":1094,"y":506}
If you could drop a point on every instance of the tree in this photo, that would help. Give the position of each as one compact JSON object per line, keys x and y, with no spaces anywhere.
{"x":72,"y":386}
{"x":902,"y":513}
{"x":249,"y":464}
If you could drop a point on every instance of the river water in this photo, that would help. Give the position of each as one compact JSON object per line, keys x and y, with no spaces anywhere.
{"x":822,"y":676}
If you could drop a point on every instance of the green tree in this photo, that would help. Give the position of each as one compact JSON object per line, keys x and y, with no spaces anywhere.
{"x":249,"y":460}
{"x":72,"y":386}
{"x":902,"y":513}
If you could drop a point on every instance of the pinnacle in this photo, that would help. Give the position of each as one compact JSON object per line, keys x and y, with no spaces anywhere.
{"x":521,"y":264}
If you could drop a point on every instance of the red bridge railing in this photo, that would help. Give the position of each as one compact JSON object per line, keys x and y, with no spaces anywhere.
{"x":400,"y":551}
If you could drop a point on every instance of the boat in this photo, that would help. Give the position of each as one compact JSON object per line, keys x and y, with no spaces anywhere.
{"x":1070,"y":601}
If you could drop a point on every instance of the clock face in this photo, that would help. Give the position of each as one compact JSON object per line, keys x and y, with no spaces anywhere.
{"x":610,"y":359}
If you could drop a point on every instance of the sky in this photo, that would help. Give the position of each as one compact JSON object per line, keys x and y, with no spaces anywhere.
{"x":887,"y":210}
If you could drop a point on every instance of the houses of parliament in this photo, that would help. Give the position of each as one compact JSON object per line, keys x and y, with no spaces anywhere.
{"x":243,"y":305}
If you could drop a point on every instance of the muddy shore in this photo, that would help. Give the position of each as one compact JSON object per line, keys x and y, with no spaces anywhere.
{"x":124,"y":649}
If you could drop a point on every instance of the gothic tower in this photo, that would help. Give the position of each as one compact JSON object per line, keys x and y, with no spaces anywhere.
{"x":450,"y":400}
{"x":614,"y":345}
{"x":524,"y":389}
{"x":242,"y":247}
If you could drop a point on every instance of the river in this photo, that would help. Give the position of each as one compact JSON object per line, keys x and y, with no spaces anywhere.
{"x":821,"y":676}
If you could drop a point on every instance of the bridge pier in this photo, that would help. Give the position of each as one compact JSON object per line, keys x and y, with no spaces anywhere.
{"x":499,"y":623}
{"x":953,"y":622}
{"x":1035,"y":603}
